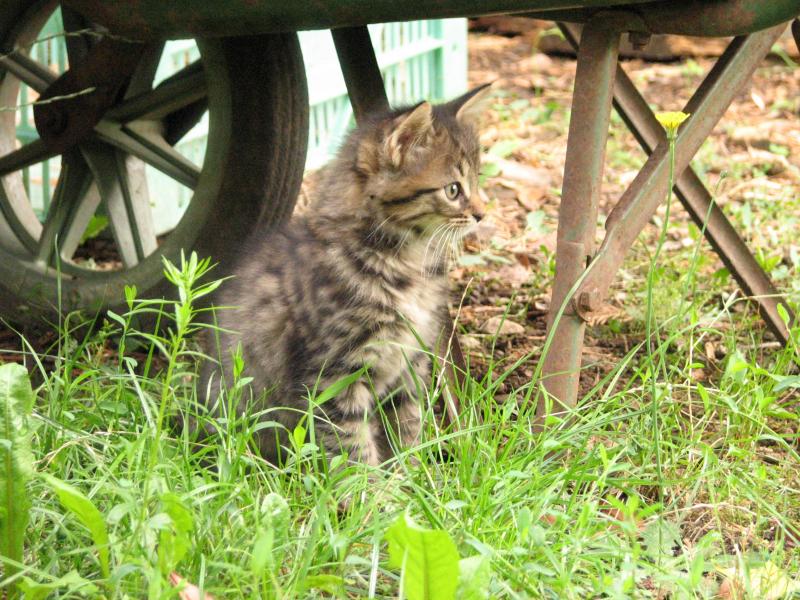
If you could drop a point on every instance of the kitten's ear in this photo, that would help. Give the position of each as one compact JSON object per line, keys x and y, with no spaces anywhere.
{"x":469,"y":108}
{"x":410,"y":130}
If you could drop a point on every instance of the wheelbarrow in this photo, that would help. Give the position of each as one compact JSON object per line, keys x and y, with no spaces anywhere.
{"x":106,"y":119}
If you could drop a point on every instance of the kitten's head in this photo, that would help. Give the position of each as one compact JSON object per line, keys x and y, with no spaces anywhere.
{"x":418,"y":167}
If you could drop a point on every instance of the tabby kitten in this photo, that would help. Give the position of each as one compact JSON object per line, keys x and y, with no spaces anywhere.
{"x":357,"y":281}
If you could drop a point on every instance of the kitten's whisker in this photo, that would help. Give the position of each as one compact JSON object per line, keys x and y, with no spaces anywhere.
{"x":439,"y":235}
{"x":443,"y":244}
{"x":436,"y":232}
{"x":402,"y":243}
{"x":379,"y":228}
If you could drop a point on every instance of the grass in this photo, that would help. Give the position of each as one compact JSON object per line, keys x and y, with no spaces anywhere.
{"x":676,"y":477}
{"x":581,"y":510}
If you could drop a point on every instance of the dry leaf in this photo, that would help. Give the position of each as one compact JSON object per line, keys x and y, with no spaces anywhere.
{"x":514,"y":275}
{"x":502,"y":326}
{"x":541,"y":178}
{"x":767,"y":582}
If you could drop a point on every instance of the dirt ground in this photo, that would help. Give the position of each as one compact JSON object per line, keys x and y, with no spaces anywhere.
{"x":526,"y":134}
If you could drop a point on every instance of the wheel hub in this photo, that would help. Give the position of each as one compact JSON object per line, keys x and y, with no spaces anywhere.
{"x":80,"y":97}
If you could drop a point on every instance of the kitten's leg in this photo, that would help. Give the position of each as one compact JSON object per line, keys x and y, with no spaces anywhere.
{"x":405,"y":418}
{"x":404,"y":412}
{"x":350,"y":425}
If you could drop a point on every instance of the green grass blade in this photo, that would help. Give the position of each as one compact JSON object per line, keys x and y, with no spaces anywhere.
{"x":16,"y":463}
{"x":84,"y":509}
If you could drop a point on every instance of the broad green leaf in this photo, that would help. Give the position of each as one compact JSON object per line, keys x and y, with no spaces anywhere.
{"x":490,"y":169}
{"x":474,"y":576}
{"x":660,"y":537}
{"x":299,"y":436}
{"x":736,"y":367}
{"x":16,"y":463}
{"x":786,"y":382}
{"x":326,"y":582}
{"x":71,"y":582}
{"x":262,"y":552}
{"x":86,"y":512}
{"x":275,"y":515}
{"x":428,"y":560}
{"x":274,"y":526}
{"x":338,"y":386}
{"x":175,"y":538}
{"x":130,"y":295}
{"x":504,"y":148}
{"x":95,"y":227}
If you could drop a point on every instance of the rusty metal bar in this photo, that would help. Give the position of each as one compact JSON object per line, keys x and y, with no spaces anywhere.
{"x":640,"y":201}
{"x":691,"y":192}
{"x":583,"y":170}
{"x":360,"y":69}
{"x":704,"y":18}
{"x":159,"y":19}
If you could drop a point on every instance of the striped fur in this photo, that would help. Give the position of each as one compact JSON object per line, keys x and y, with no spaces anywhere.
{"x":356,"y":281}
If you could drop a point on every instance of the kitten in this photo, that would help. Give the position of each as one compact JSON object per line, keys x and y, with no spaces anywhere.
{"x":357,"y":281}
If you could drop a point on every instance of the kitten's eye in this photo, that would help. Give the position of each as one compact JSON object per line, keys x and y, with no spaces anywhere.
{"x":452,"y":190}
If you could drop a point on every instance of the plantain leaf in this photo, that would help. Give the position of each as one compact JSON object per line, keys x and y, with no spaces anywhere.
{"x":71,"y":581}
{"x":175,"y":539}
{"x":271,"y":533}
{"x":76,"y":502}
{"x":16,"y":462}
{"x":475,"y":574}
{"x":427,"y":557}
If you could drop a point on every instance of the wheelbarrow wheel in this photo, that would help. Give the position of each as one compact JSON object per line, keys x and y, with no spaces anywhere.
{"x":77,"y":227}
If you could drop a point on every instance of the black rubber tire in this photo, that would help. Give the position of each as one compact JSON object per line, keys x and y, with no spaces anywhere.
{"x":258,"y":135}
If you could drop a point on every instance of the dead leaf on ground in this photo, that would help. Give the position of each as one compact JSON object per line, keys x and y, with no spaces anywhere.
{"x":529,"y":175}
{"x":502,"y":326}
{"x":767,"y":582}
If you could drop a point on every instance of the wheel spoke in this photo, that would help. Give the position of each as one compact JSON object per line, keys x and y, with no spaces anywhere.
{"x":142,"y":141}
{"x":142,"y":78}
{"x":29,"y":154}
{"x":28,"y":71}
{"x":75,"y":200}
{"x":181,"y":89}
{"x":123,"y":189}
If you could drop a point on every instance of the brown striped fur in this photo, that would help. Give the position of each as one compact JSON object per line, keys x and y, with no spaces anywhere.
{"x":357,"y":280}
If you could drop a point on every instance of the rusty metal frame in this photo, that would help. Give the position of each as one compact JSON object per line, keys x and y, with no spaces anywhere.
{"x":584,"y":272}
{"x":578,"y":289}
{"x":577,"y":219}
{"x":697,"y":201}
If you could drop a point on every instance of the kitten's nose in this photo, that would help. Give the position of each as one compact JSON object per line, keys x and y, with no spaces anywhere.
{"x":477,"y":216}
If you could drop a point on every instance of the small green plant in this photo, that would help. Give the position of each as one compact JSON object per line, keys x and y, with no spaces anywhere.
{"x":16,"y":467}
{"x":430,"y":567}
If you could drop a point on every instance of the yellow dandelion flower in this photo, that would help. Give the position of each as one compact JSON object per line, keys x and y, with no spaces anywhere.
{"x":671,"y":120}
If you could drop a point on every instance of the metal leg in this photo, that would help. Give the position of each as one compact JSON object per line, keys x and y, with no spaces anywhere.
{"x":360,"y":69}
{"x":645,"y":194}
{"x":588,"y":132}
{"x":691,"y":192}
